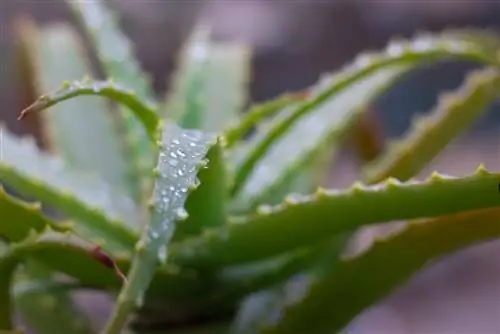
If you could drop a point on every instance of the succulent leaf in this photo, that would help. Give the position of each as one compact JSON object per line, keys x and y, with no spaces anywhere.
{"x":356,"y":283}
{"x":182,"y":153}
{"x":209,"y":88}
{"x":430,"y":134}
{"x":100,"y":210}
{"x":143,"y":111}
{"x":186,"y":100}
{"x":334,"y":212}
{"x":400,"y":53}
{"x":19,"y":218}
{"x":116,"y":56}
{"x":86,"y":138}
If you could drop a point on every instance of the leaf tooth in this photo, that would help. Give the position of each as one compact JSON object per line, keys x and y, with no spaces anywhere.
{"x":321,"y":193}
{"x":481,"y":170}
{"x":264,"y":209}
{"x":436,"y":177}
{"x":357,"y":188}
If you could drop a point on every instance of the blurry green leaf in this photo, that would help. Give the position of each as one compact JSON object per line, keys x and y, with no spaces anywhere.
{"x":367,"y":73}
{"x":430,"y":134}
{"x":100,"y":210}
{"x":331,"y":303}
{"x":86,"y":137}
{"x":327,"y":213}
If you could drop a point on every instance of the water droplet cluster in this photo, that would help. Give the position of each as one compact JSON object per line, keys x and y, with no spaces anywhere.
{"x":182,"y":155}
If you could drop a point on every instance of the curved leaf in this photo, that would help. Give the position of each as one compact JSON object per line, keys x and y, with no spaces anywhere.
{"x":333,"y":212}
{"x":19,"y":218}
{"x":430,"y":134}
{"x":256,"y":115}
{"x":116,"y":56}
{"x":182,"y":154}
{"x":402,"y":53}
{"x":143,"y":111}
{"x":101,"y":211}
{"x":357,"y":283}
{"x":56,"y":55}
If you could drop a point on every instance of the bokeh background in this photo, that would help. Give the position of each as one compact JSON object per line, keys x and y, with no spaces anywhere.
{"x":294,"y":42}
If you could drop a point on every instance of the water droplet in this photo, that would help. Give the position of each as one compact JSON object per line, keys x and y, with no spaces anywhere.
{"x":181,"y":214}
{"x":162,"y":254}
{"x":173,"y":155}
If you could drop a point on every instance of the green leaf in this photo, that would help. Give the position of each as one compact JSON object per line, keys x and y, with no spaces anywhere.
{"x":430,"y":134}
{"x":209,"y":88}
{"x":226,"y":84}
{"x":100,"y":210}
{"x":186,"y":99}
{"x":182,"y":154}
{"x":19,"y":218}
{"x":334,"y":212}
{"x":257,"y":115}
{"x":48,"y":312}
{"x":57,"y":56}
{"x":353,"y":285}
{"x":143,"y":111}
{"x":207,"y":205}
{"x":116,"y":56}
{"x":401,"y":53}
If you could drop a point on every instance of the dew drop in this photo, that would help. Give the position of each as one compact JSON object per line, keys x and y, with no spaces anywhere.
{"x":181,"y":214}
{"x":162,"y":254}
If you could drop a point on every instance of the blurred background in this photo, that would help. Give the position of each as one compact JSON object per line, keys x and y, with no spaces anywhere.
{"x":294,"y":42}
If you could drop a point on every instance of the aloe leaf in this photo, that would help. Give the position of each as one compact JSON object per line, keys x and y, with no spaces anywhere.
{"x":8,"y":265}
{"x":207,"y":205}
{"x":226,"y":85}
{"x":182,"y":154}
{"x":83,"y":197}
{"x":48,"y":312}
{"x":256,"y":115}
{"x":56,"y":55}
{"x":430,"y":134}
{"x":334,"y":212}
{"x":143,"y":111}
{"x":186,"y":99}
{"x":357,"y":283}
{"x":116,"y":55}
{"x":401,"y":53}
{"x":208,"y":91}
{"x":19,"y":218}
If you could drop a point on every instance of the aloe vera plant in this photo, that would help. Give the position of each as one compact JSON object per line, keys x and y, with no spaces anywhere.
{"x":169,"y":205}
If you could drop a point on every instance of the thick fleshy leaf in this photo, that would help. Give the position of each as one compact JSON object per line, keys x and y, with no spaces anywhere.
{"x":182,"y":154}
{"x":353,"y":285}
{"x":143,"y":111}
{"x":226,"y":85}
{"x":86,"y":137}
{"x":186,"y":99}
{"x":257,"y":115}
{"x":100,"y":211}
{"x":365,"y":68}
{"x":116,"y":56}
{"x":19,"y":218}
{"x":207,"y":205}
{"x":430,"y":134}
{"x":209,"y":87}
{"x":335,"y":212}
